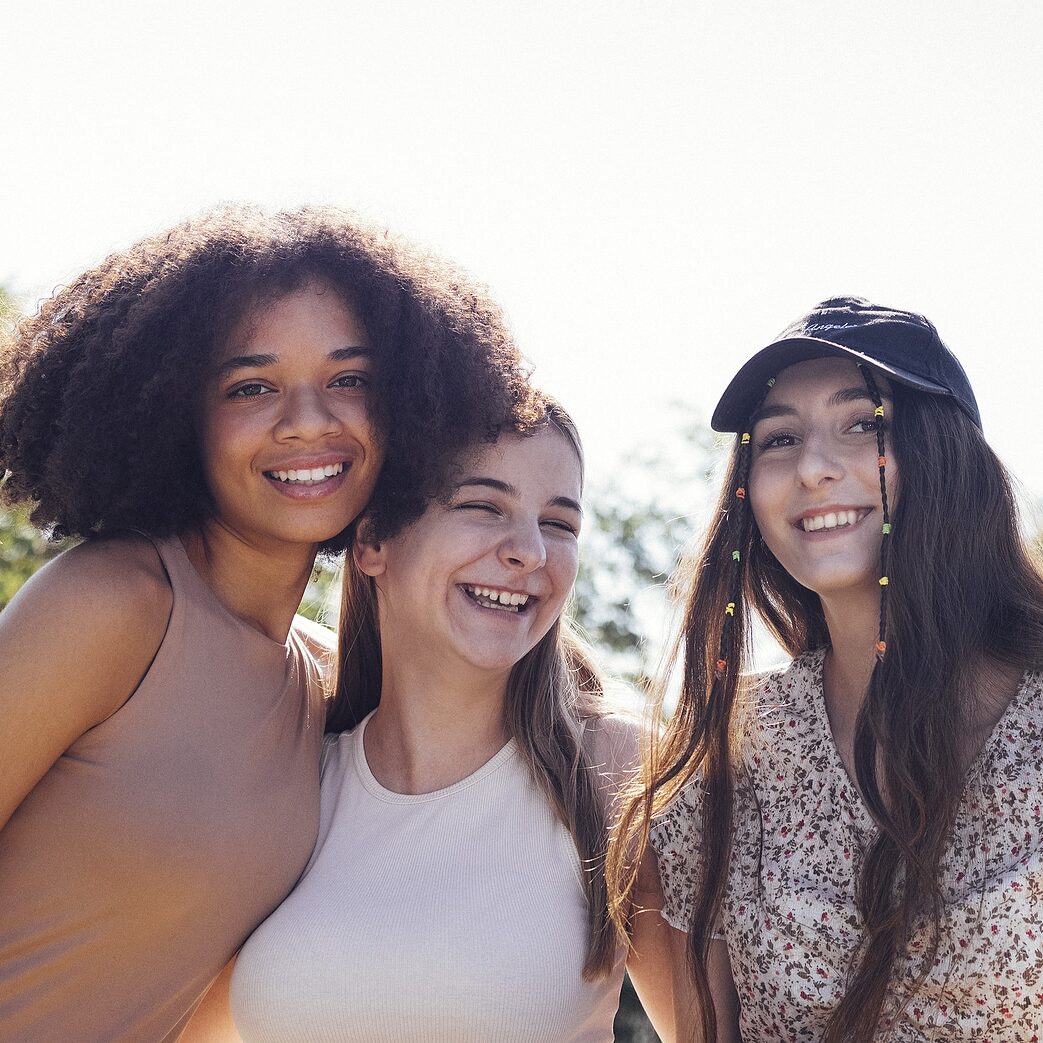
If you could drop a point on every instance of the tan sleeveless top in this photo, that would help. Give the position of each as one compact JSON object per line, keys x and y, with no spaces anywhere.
{"x":162,"y":836}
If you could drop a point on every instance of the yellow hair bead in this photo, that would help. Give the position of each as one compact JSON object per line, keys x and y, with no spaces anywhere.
{"x":745,"y":440}
{"x":883,"y":581}
{"x":729,"y":609}
{"x":879,"y":411}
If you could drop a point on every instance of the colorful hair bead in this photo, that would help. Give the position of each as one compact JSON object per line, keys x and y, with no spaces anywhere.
{"x":729,"y":609}
{"x":879,"y":411}
{"x":771,"y":382}
{"x":884,"y":581}
{"x":881,"y":647}
{"x":881,"y":460}
{"x":736,"y":556}
{"x":745,"y":440}
{"x":740,"y":493}
{"x":886,"y":529}
{"x":722,"y":665}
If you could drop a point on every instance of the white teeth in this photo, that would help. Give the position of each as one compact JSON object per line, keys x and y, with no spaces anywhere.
{"x":313,"y":474}
{"x":830,"y":520}
{"x":499,"y":597}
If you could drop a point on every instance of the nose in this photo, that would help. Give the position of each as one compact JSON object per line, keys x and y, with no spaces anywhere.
{"x":522,"y":548}
{"x":820,"y":461}
{"x":306,"y":415}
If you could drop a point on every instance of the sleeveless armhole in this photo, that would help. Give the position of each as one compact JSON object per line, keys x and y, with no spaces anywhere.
{"x":166,"y":627}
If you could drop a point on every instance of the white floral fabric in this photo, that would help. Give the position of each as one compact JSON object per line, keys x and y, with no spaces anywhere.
{"x":789,"y":916}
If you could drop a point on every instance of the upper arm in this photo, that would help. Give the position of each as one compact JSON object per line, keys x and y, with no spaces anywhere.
{"x":615,"y":754}
{"x":660,"y":969}
{"x":656,"y":961}
{"x":74,"y":644}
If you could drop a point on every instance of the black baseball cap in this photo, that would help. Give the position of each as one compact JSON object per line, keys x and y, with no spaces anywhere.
{"x":903,"y":346}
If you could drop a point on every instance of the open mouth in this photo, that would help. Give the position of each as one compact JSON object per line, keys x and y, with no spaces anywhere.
{"x":308,"y":476}
{"x":494,"y":598}
{"x":832,"y":519}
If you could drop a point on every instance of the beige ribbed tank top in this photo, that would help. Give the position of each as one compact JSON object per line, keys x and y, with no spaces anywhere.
{"x":449,"y":917}
{"x":162,"y":836}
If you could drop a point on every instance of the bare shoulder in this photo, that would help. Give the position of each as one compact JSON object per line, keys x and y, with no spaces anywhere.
{"x":617,"y":739}
{"x":94,"y":616}
{"x":101,"y":584}
{"x":75,"y":643}
{"x":615,"y":744}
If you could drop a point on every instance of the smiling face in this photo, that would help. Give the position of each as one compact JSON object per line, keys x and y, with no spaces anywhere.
{"x":480,"y":578}
{"x":289,"y":452}
{"x":814,"y":482}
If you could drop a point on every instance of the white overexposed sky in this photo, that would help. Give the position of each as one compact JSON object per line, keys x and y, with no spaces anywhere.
{"x":652,"y":190}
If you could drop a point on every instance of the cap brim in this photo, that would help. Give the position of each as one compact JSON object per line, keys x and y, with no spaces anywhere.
{"x":749,"y":384}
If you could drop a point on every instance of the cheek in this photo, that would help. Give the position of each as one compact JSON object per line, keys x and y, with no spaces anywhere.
{"x":761,"y":498}
{"x":565,"y":565}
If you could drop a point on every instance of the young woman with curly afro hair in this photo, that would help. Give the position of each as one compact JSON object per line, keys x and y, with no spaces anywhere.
{"x":206,"y":411}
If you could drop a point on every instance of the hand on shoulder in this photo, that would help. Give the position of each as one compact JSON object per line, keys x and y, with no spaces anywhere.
{"x":74,"y":644}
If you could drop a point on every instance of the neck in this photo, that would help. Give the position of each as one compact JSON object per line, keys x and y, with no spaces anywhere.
{"x":434,"y":726}
{"x":263,"y":586}
{"x":853,"y":623}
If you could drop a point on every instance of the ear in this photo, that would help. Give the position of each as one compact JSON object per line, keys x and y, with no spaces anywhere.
{"x":370,"y":556}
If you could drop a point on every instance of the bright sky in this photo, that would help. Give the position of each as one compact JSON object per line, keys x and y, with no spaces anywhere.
{"x":653,"y":189}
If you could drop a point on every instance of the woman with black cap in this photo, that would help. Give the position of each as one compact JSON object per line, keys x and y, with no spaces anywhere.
{"x":854,"y":843}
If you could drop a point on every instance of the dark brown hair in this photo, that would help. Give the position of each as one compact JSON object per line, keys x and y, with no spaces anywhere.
{"x":554,"y":697}
{"x":98,"y":392}
{"x":961,"y":596}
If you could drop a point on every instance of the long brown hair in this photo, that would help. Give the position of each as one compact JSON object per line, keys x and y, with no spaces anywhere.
{"x":554,"y":696}
{"x":960,"y":596}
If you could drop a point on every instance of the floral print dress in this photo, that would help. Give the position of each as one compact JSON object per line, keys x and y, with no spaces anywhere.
{"x":789,"y":917}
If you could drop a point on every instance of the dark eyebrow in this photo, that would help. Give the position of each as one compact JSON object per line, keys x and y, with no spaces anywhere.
{"x":509,"y":490}
{"x":260,"y":361}
{"x":838,"y":398}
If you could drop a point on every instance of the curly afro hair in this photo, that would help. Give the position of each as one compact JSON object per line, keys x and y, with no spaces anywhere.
{"x":99,"y":391}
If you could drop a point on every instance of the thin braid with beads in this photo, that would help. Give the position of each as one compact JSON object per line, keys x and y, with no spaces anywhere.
{"x":742,"y":477}
{"x":885,"y":542}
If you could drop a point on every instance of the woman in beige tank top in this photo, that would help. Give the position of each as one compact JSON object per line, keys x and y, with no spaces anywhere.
{"x":457,"y":892}
{"x":208,"y":410}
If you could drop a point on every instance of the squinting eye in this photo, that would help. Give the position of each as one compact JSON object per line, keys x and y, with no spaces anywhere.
{"x":563,"y":526}
{"x":488,"y":507}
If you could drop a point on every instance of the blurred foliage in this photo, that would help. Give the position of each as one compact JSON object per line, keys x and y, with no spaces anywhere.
{"x":638,"y":523}
{"x":23,"y":549}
